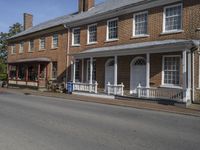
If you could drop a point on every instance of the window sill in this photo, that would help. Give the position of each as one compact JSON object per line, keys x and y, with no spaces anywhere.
{"x":140,"y":36}
{"x":54,"y":48}
{"x":92,"y":43}
{"x":111,"y":40}
{"x":40,"y":50}
{"x":171,"y":86}
{"x":76,"y":45}
{"x":198,"y":29}
{"x":171,"y":32}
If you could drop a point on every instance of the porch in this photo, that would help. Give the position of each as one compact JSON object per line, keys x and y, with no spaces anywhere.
{"x":29,"y":72}
{"x":159,"y":70}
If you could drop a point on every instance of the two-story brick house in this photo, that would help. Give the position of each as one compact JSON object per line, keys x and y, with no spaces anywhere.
{"x":144,"y":48}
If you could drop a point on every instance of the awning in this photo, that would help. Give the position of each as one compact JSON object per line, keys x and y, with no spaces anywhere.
{"x":139,"y":48}
{"x":30,"y":60}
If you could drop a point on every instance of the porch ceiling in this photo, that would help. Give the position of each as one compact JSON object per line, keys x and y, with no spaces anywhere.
{"x":138,"y":48}
{"x":31,"y":60}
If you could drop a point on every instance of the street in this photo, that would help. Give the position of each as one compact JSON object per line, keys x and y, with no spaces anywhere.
{"x":42,"y":123}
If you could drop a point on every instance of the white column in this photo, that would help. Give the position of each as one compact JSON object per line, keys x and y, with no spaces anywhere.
{"x":184,"y":61}
{"x":148,"y":73}
{"x":91,"y":72}
{"x":74,"y":71}
{"x":115,"y":75}
{"x":82,"y":72}
{"x":189,"y":77}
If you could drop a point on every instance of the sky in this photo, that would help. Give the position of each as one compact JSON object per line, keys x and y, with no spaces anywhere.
{"x":12,"y":10}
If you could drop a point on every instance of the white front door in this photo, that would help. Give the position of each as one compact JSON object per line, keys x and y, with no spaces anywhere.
{"x":109,"y":72}
{"x":138,"y":74}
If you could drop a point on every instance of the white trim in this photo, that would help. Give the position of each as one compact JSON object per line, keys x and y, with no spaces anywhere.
{"x":73,"y":36}
{"x":44,"y":43}
{"x":88,"y":34}
{"x":12,"y":49}
{"x":131,"y":70}
{"x":107,"y":30}
{"x":164,"y":18}
{"x":162,"y":83}
{"x":133,"y":31}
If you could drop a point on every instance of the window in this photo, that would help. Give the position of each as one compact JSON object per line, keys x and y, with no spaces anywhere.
{"x":21,"y":47}
{"x":77,"y":73}
{"x":42,"y":43}
{"x":31,"y":45}
{"x":13,"y":49}
{"x":55,"y":41}
{"x":171,"y":70}
{"x":54,"y":70}
{"x":13,"y":72}
{"x":112,"y":29}
{"x":140,"y":24}
{"x":92,"y":33}
{"x":76,"y":37}
{"x":94,"y":70}
{"x":42,"y":71}
{"x":173,"y":18}
{"x":21,"y":72}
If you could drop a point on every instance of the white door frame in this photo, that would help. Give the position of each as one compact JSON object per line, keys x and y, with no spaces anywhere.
{"x":131,"y":69}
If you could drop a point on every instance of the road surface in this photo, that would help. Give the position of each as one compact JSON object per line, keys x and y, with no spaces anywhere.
{"x":40,"y":123}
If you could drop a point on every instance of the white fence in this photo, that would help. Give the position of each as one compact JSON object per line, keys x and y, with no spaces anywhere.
{"x":85,"y":87}
{"x":161,"y":93}
{"x":115,"y":89}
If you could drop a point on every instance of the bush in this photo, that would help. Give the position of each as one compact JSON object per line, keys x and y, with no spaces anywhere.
{"x":3,"y":77}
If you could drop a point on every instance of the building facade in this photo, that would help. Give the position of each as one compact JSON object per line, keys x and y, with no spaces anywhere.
{"x":148,"y":49}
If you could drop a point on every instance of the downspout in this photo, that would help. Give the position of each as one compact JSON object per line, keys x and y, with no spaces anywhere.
{"x":67,"y":50}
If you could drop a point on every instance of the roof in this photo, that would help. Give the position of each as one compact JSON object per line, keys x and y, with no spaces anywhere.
{"x":138,"y":47}
{"x":109,"y":5}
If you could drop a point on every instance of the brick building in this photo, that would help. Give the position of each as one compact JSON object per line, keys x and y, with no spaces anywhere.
{"x":143,"y":48}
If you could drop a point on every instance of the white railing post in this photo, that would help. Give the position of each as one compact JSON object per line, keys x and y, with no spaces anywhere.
{"x":122,"y":89}
{"x":139,"y":90}
{"x":108,"y":88}
{"x":95,"y":87}
{"x":91,"y":72}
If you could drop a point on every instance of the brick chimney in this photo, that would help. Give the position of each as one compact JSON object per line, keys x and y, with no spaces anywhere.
{"x":28,"y":21}
{"x":85,"y":5}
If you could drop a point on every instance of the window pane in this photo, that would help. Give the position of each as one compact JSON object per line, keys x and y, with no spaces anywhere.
{"x":172,"y":70}
{"x":141,"y":24}
{"x":76,"y":38}
{"x":55,"y":40}
{"x":42,"y":43}
{"x":173,"y":18}
{"x":92,"y":33}
{"x":113,"y":29}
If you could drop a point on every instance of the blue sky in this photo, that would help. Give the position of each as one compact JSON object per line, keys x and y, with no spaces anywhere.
{"x":12,"y":10}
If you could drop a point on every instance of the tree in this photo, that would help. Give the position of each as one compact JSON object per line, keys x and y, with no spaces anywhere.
{"x":13,"y":30}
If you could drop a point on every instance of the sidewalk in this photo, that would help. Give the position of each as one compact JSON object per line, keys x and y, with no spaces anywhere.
{"x":134,"y":103}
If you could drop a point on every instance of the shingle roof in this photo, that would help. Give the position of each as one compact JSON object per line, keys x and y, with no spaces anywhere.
{"x":107,"y":6}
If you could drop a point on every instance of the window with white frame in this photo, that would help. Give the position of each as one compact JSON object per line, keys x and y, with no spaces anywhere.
{"x":140,"y":21}
{"x":21,"y":47}
{"x":13,"y":49}
{"x":55,"y":41}
{"x":42,"y":43}
{"x":92,"y":33}
{"x":31,"y":45}
{"x":112,"y":29}
{"x":171,"y":70}
{"x":94,"y":70}
{"x":76,"y":36}
{"x":173,"y":18}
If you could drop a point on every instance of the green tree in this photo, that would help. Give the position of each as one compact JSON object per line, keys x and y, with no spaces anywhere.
{"x":13,"y":30}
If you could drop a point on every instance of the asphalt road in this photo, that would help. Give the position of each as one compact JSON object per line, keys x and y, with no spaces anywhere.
{"x":40,"y":123}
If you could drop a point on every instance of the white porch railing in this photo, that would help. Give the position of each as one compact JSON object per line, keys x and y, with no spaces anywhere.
{"x":160,"y":93}
{"x":85,"y":87}
{"x":115,"y":89}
